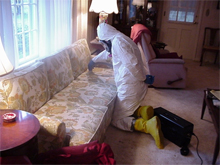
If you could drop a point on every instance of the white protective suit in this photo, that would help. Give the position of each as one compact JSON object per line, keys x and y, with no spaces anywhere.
{"x":129,"y":74}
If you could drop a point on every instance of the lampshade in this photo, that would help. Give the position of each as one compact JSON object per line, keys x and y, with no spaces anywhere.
{"x":5,"y":65}
{"x":107,"y":6}
{"x":138,"y":2}
{"x":149,"y":5}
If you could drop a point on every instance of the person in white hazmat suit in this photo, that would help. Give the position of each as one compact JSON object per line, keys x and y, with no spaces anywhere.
{"x":130,"y":78}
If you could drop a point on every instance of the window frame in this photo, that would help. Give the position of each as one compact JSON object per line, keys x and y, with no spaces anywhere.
{"x":179,"y":8}
{"x":32,"y":40}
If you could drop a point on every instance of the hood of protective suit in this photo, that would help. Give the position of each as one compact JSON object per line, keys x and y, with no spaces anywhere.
{"x":106,"y":32}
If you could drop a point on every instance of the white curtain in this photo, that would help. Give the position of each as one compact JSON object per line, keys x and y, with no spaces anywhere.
{"x":55,"y":30}
{"x":6,"y":29}
{"x":55,"y":27}
{"x":80,"y":19}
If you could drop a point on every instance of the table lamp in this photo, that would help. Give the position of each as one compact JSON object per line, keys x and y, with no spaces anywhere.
{"x":138,"y":2}
{"x":104,"y":7}
{"x":5,"y":65}
{"x":149,"y":5}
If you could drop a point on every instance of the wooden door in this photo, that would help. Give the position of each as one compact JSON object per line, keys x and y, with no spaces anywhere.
{"x":180,"y":26}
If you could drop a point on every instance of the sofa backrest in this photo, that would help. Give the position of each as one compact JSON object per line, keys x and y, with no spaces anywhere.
{"x":67,"y":65}
{"x":29,"y":88}
{"x":26,"y":90}
{"x":59,"y":71}
{"x":80,"y":56}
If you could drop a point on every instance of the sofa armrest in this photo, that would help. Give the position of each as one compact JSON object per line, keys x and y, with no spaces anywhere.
{"x":169,"y":73}
{"x":166,"y":61}
{"x":52,"y":133}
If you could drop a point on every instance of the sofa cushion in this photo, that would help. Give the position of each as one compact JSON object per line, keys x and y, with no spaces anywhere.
{"x":59,"y":71}
{"x":85,"y":106}
{"x":86,"y":92}
{"x":27,"y":89}
{"x":97,"y":75}
{"x":82,"y":121}
{"x":80,"y":56}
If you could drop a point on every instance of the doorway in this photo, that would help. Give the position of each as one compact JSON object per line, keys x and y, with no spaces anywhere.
{"x":180,"y":26}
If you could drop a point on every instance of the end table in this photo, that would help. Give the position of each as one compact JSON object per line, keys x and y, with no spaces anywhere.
{"x":19,"y":137}
{"x":214,"y":112}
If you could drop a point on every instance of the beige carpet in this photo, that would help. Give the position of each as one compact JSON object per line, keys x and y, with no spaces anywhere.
{"x":139,"y":148}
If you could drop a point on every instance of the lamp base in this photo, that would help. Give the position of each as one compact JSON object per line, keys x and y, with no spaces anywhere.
{"x":103,"y":17}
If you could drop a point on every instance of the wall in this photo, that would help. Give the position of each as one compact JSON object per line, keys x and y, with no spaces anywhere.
{"x":92,"y":24}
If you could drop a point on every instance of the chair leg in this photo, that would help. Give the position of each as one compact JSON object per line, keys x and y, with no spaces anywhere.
{"x":203,"y":105}
{"x":216,"y":55}
{"x":201,"y":59}
{"x":216,"y":151}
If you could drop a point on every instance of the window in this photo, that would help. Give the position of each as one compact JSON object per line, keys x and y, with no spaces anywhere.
{"x":34,"y":29}
{"x":24,"y":15}
{"x":182,"y":11}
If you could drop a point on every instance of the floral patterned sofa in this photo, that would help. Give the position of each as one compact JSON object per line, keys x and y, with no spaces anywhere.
{"x":71,"y":103}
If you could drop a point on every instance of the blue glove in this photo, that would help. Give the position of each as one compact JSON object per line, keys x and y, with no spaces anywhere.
{"x":91,"y":65}
{"x":149,"y":79}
